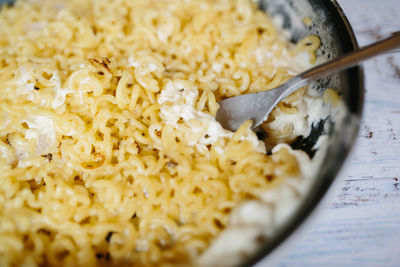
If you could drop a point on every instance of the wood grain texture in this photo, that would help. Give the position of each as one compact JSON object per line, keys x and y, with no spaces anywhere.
{"x":358,"y":224}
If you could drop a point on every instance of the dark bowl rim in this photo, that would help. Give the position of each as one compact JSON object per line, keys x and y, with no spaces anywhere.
{"x":311,"y":202}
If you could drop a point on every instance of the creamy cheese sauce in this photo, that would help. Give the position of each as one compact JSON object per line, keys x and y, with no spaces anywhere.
{"x":177,"y":102}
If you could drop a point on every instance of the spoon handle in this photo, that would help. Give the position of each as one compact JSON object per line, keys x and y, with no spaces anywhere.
{"x":352,"y":58}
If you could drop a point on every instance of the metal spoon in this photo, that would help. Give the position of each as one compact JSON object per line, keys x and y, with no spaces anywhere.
{"x":234,"y":111}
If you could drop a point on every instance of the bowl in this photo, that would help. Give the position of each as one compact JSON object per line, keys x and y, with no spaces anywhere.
{"x":326,"y":20}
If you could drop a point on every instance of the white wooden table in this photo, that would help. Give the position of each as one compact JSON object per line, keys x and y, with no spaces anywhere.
{"x":358,"y":223}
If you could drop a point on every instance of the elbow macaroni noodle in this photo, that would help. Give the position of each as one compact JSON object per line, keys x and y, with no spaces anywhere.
{"x":109,"y":152}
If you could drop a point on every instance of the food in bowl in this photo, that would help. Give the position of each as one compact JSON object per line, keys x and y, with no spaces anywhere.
{"x":110,"y":153}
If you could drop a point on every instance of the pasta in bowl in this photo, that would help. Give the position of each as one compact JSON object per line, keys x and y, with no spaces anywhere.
{"x":109,"y":149}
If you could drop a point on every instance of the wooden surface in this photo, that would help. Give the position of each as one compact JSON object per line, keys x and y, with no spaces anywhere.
{"x":358,"y":223}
